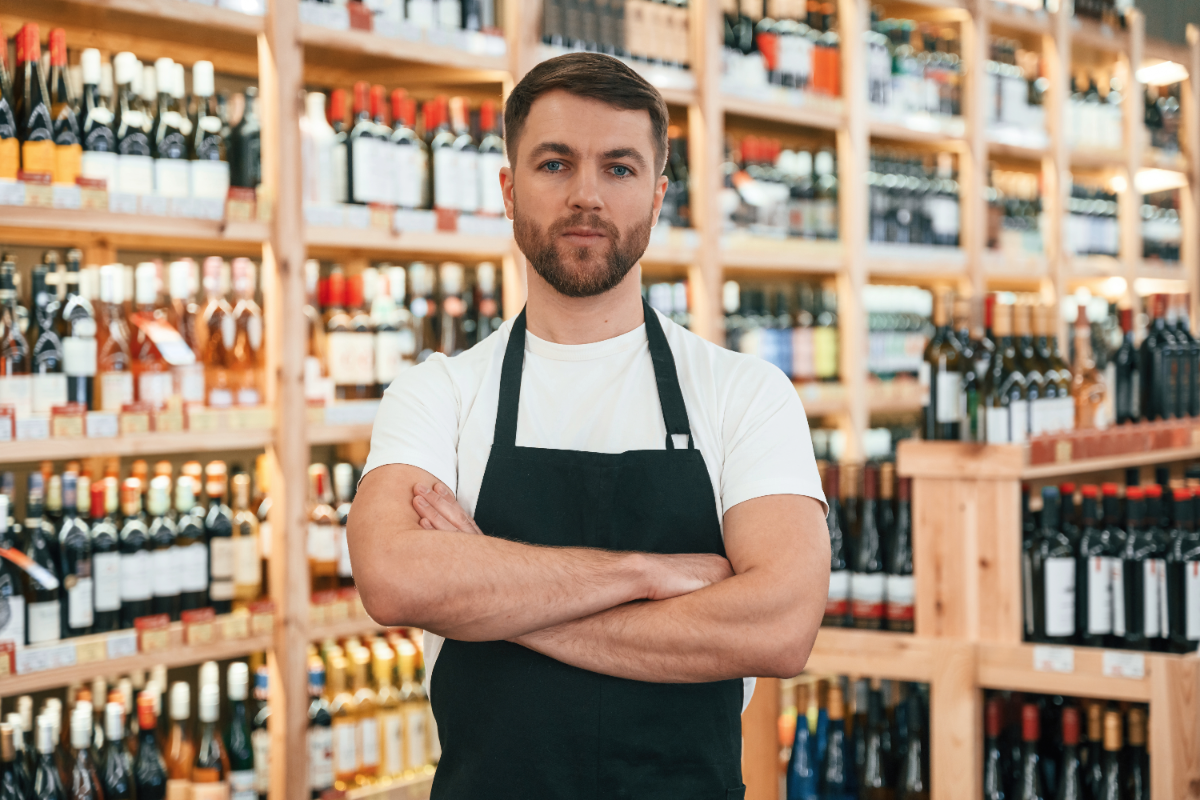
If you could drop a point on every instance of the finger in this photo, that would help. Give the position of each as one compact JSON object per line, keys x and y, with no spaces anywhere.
{"x":445,"y":504}
{"x":426,"y":524}
{"x":429,"y":513}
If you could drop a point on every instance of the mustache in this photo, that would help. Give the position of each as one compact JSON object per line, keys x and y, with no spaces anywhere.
{"x":588,"y":220}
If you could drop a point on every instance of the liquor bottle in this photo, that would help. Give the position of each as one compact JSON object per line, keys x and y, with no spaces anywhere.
{"x":367,"y":710}
{"x":260,"y":735}
{"x":245,"y":161}
{"x":391,"y":722}
{"x":63,"y":113}
{"x":837,"y":606}
{"x":446,"y":177}
{"x":1092,"y":755}
{"x":1137,"y":761}
{"x":47,"y":778}
{"x":77,"y":330}
{"x":262,"y":473}
{"x":155,"y":383}
{"x":75,"y":561}
{"x":237,"y":735}
{"x":43,"y":615}
{"x":166,"y":561}
{"x":423,"y":308}
{"x":10,"y":153}
{"x":899,"y":590}
{"x":320,"y":732}
{"x":343,"y":488}
{"x":83,"y":781}
{"x":98,"y":161}
{"x":994,"y":777}
{"x":247,"y":355}
{"x":191,"y":546}
{"x":414,"y":707}
{"x":343,"y":710}
{"x":180,"y":755}
{"x":211,"y":763}
{"x":361,"y":150}
{"x":12,"y":784}
{"x":1087,"y":384}
{"x":12,"y":584}
{"x":1050,"y":571}
{"x":350,"y":352}
{"x":801,"y":781}
{"x":218,"y":529}
{"x":1183,"y":576}
{"x":247,"y":571}
{"x":838,"y":760}
{"x":490,"y":160}
{"x":116,"y":774}
{"x":135,"y":163}
{"x":34,"y":125}
{"x":867,"y":579}
{"x":941,"y":378}
{"x":1158,"y":386}
{"x":137,"y":577}
{"x":219,"y":334}
{"x":48,"y":385}
{"x":1114,"y":785}
{"x":1159,"y":533}
{"x":114,"y":361}
{"x":1058,"y":375}
{"x":210,"y":165}
{"x":1115,"y":530}
{"x":1070,"y":512}
{"x":168,"y":134}
{"x":913,"y":780}
{"x":1142,"y":563}
{"x":453,"y":308}
{"x":15,"y":385}
{"x":1037,"y":391}
{"x":182,"y":314}
{"x":1029,"y":785}
{"x":1093,"y":575}
{"x":467,"y":157}
{"x":1069,"y":775}
{"x":410,"y":155}
{"x":322,"y":532}
{"x":106,"y":561}
{"x":361,"y":291}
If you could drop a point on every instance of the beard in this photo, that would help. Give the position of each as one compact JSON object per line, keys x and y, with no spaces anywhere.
{"x":580,"y":271}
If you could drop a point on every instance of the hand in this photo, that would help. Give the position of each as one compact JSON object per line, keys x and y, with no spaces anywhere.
{"x":440,"y":511}
{"x":675,"y":574}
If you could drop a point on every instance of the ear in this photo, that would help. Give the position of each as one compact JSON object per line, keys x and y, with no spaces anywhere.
{"x":506,"y":189}
{"x":660,"y":192}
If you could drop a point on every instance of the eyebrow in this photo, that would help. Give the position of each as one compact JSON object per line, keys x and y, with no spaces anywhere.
{"x":561,"y":149}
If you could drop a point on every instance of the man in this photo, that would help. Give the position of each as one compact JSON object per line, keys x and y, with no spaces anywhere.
{"x":610,"y":521}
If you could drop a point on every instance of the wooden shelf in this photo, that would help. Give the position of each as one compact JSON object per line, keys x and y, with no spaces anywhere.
{"x":1012,"y":667}
{"x":146,"y":444}
{"x":179,"y":656}
{"x":821,"y":399}
{"x":1092,"y":158}
{"x":1155,"y":158}
{"x":338,"y":434}
{"x":897,"y":260}
{"x":1018,"y":18}
{"x":746,"y":252}
{"x":1161,"y":270}
{"x":48,"y":226}
{"x":1002,"y":266}
{"x":325,"y":44}
{"x":1007,"y":150}
{"x":374,"y":240}
{"x":354,"y":626}
{"x":1094,"y":35}
{"x":1093,"y":267}
{"x":896,"y":396}
{"x":918,"y":128}
{"x":789,"y":107}
{"x":898,"y":656}
{"x":416,"y":788}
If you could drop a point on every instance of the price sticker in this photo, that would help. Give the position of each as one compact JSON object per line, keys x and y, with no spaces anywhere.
{"x":198,"y":626}
{"x":152,"y":205}
{"x":1120,"y":664}
{"x":40,"y":659}
{"x":122,"y":645}
{"x":91,"y":651}
{"x":1047,"y":658}
{"x":153,"y":632}
{"x":134,"y":420}
{"x":339,"y":611}
{"x":38,"y":195}
{"x":239,"y":205}
{"x":236,"y":625}
{"x":8,"y":664}
{"x":69,"y":421}
{"x":68,"y":197}
{"x":12,"y":193}
{"x":318,"y":615}
{"x":262,"y":618}
{"x":381,"y":217}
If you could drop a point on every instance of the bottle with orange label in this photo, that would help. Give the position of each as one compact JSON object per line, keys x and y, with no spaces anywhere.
{"x":10,"y":152}
{"x":64,"y":113}
{"x":34,"y":126}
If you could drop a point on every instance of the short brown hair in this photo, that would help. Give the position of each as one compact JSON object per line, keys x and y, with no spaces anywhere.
{"x":595,"y":76}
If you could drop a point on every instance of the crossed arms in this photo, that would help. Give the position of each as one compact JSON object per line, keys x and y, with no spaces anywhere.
{"x":419,"y":560}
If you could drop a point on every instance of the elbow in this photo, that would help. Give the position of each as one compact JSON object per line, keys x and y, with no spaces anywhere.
{"x":789,"y":644}
{"x":383,"y":593}
{"x":788,"y":660}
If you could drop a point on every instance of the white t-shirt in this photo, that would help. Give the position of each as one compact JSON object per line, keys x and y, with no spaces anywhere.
{"x":745,"y":416}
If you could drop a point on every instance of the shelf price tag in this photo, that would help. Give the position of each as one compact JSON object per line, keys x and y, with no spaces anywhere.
{"x":1047,"y":658}
{"x":93,"y":194}
{"x":122,"y":644}
{"x":153,"y":632}
{"x":12,"y":193}
{"x":236,"y":625}
{"x":39,"y":192}
{"x":262,"y":618}
{"x":1120,"y":664}
{"x":39,"y":659}
{"x":69,"y":421}
{"x":7,"y":659}
{"x":90,"y":651}
{"x":198,"y":626}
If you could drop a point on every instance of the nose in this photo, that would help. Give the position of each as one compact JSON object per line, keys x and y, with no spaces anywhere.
{"x":584,"y":193}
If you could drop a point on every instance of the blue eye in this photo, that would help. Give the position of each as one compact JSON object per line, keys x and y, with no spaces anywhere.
{"x":622,"y":171}
{"x":553,"y":166}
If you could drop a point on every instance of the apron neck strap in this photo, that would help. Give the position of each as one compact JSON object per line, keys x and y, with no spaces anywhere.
{"x":670,"y":397}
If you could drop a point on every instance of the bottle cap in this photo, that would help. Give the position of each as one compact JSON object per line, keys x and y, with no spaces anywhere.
{"x":124,"y":66}
{"x":178,"y":86}
{"x":81,"y":727}
{"x":45,"y":734}
{"x":164,"y":74}
{"x":185,"y":494}
{"x":1070,"y":726}
{"x":147,"y":719}
{"x":238,"y":680}
{"x":1112,"y":731}
{"x":210,"y":673}
{"x":1030,"y":722}
{"x":451,"y":275}
{"x":1089,"y":490}
{"x":1134,"y":493}
{"x":147,"y":283}
{"x":1137,"y":727}
{"x":181,"y":700}
{"x":993,"y":717}
{"x":89,"y":62}
{"x":1109,"y":489}
{"x":210,"y":698}
{"x":202,"y":79}
{"x":114,"y":721}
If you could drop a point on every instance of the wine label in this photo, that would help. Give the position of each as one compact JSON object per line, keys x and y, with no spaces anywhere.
{"x":320,"y":757}
{"x":45,"y":622}
{"x":220,"y":398}
{"x":220,"y":554}
{"x":246,"y":568}
{"x":838,"y":602}
{"x":260,"y":741}
{"x":949,"y":388}
{"x":351,"y":358}
{"x":393,"y":743}
{"x":409,"y":176}
{"x":1118,"y":596}
{"x":10,"y":156}
{"x":106,"y":571}
{"x":99,"y":165}
{"x":79,"y":356}
{"x":1100,"y":594}
{"x":900,"y":591}
{"x":414,"y":735}
{"x":1018,"y":420}
{"x":210,"y":179}
{"x":1059,"y":597}
{"x":1164,"y":613}
{"x":116,"y":390}
{"x":343,"y":545}
{"x":135,"y":175}
{"x":79,"y":603}
{"x":172,"y":177}
{"x":866,"y":595}
{"x":1191,"y":600}
{"x":468,"y":184}
{"x":165,"y":570}
{"x":189,"y":382}
{"x":368,"y":738}
{"x":322,"y":544}
{"x":193,"y":574}
{"x":17,"y":391}
{"x":995,"y":425}
{"x":445,"y":178}
{"x":345,"y":747}
{"x":363,"y":163}
{"x":154,"y":388}
{"x":1152,"y":571}
{"x":47,"y":390}
{"x":241,"y":785}
{"x":12,"y":614}
{"x":393,"y":352}
{"x":491,"y":198}
{"x":136,"y":577}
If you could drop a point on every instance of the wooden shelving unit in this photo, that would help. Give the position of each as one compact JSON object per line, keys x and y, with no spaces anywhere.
{"x":956,"y":648}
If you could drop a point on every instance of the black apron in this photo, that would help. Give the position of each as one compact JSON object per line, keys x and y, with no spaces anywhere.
{"x":516,"y":724}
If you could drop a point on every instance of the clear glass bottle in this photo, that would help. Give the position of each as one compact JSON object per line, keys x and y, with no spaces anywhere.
{"x":247,"y":571}
{"x":246,"y":359}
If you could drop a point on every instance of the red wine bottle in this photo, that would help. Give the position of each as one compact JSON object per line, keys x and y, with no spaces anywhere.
{"x":1051,"y":567}
{"x":1093,"y":575}
{"x":837,"y":606}
{"x":1141,"y":564}
{"x":1112,"y":788}
{"x":994,"y":784}
{"x":867,"y":579}
{"x":1030,"y":787}
{"x":149,"y":769}
{"x":900,"y":590}
{"x":838,"y":759}
{"x":1070,"y":769}
{"x":1137,"y":766}
{"x":1183,"y":576}
{"x":34,"y":127}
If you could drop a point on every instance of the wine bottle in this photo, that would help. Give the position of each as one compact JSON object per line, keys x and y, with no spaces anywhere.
{"x":191,"y":546}
{"x":260,"y":735}
{"x":491,"y":160}
{"x":43,"y":621}
{"x":155,"y":384}
{"x":446,"y":177}
{"x":34,"y":126}
{"x":410,"y":155}
{"x":166,"y":561}
{"x":1093,"y":575}
{"x":75,"y":561}
{"x":361,"y":150}
{"x":414,"y":707}
{"x":1005,"y":398}
{"x":137,"y":579}
{"x":135,"y":163}
{"x":343,"y":488}
{"x":1113,"y":785}
{"x":867,"y":579}
{"x":913,"y":781}
{"x":15,"y":383}
{"x":343,"y":710}
{"x":218,"y":529}
{"x":245,"y":161}
{"x":1128,"y":373}
{"x":1030,"y":781}
{"x":181,"y":750}
{"x":116,"y":772}
{"x":367,"y":710}
{"x":114,"y":359}
{"x":84,"y":780}
{"x":1189,"y":383}
{"x":320,"y":732}
{"x":238,"y":743}
{"x":941,"y":377}
{"x":10,"y":152}
{"x":12,"y":584}
{"x":801,"y":782}
{"x":1050,"y":574}
{"x":210,"y":167}
{"x":48,"y":385}
{"x":1141,"y":564}
{"x":1158,"y":387}
{"x":1039,"y":386}
{"x":106,"y":560}
{"x":149,"y":770}
{"x":900,"y":589}
{"x":1157,"y":529}
{"x":77,"y":330}
{"x":1183,"y":576}
{"x":11,"y":785}
{"x":995,"y":785}
{"x":838,"y":761}
{"x":47,"y":778}
{"x":837,"y":606}
{"x":247,"y":571}
{"x":1070,"y":769}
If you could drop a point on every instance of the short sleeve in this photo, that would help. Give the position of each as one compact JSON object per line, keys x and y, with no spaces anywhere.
{"x":768,"y":449}
{"x":417,"y":423}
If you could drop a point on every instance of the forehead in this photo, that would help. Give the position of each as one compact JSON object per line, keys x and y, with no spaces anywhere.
{"x":587,"y":125}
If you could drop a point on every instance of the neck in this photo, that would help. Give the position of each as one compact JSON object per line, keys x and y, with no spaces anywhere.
{"x":583,"y":320}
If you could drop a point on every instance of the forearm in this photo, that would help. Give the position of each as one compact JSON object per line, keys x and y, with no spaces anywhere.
{"x":479,"y":588}
{"x":743,"y":626}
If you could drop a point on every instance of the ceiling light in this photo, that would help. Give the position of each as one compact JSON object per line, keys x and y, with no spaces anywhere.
{"x":1162,"y":73}
{"x":1149,"y":181}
